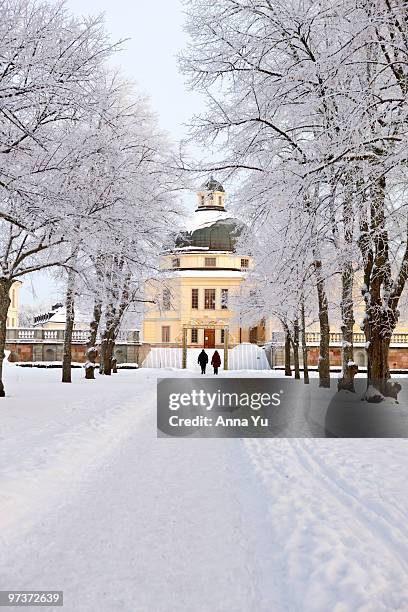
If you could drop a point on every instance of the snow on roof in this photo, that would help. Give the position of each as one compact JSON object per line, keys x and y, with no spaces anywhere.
{"x":191,"y":248}
{"x":58,"y":315}
{"x":211,"y":273}
{"x":206,"y":218}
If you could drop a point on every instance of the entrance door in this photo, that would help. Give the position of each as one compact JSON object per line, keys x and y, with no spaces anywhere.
{"x":209,"y":338}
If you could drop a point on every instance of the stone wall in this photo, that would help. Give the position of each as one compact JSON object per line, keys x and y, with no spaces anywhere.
{"x":40,"y":351}
{"x":20,"y":352}
{"x":398,"y":357}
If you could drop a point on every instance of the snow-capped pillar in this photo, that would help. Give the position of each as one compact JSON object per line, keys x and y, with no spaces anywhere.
{"x":226,"y":334}
{"x":184,"y":355}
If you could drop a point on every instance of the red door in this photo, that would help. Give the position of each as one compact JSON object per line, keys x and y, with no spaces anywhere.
{"x":209,"y":338}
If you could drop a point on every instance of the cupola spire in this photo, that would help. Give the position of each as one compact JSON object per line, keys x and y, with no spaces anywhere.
{"x":211,"y":195}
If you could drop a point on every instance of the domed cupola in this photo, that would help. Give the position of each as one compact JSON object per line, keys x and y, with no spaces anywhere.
{"x":211,"y":195}
{"x":211,"y":228}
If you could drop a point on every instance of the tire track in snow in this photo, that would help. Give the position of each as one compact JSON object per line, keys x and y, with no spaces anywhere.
{"x":262,"y":572}
{"x":35,"y":485}
{"x":329,"y":552}
{"x":385,"y":531}
{"x":380,"y":509}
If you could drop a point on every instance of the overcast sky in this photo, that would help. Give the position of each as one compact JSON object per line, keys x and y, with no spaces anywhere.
{"x":155,"y":32}
{"x":149,"y":58}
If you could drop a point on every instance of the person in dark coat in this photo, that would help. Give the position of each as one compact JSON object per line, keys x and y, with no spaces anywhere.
{"x":216,"y":361}
{"x":203,"y":360}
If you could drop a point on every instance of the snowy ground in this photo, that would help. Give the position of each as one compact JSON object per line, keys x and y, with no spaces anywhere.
{"x":91,"y":502}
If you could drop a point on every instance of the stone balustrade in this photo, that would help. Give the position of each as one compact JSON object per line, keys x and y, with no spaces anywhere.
{"x":336,"y":338}
{"x":79,"y":336}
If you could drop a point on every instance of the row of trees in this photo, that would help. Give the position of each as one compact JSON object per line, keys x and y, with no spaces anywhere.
{"x":84,"y":179}
{"x":308,"y":102}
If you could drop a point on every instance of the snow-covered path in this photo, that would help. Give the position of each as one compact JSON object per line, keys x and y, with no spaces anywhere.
{"x":91,"y":502}
{"x":342,"y":513}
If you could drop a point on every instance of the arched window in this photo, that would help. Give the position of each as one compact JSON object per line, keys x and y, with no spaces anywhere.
{"x":49,"y":354}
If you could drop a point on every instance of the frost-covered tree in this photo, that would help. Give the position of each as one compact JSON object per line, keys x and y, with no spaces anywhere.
{"x":49,"y":70}
{"x":277,"y":291}
{"x":312,"y":95}
{"x":122,"y":193}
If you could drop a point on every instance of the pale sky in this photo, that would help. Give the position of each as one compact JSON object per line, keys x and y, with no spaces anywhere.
{"x":155,"y":30}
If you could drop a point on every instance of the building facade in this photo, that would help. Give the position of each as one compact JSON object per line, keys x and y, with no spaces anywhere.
{"x":13,"y":312}
{"x":199,"y":279}
{"x":44,"y":340}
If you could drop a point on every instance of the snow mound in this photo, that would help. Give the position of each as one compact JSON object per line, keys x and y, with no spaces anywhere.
{"x":242,"y":357}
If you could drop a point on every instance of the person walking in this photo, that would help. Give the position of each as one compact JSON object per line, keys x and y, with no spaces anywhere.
{"x":203,"y":360}
{"x":216,"y":361}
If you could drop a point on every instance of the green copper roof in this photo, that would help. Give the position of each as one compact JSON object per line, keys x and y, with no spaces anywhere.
{"x":220,"y":236}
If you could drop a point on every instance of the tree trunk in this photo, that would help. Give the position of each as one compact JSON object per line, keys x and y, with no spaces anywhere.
{"x":295,"y":345}
{"x":115,"y":312}
{"x":304,"y":345}
{"x":378,"y":374}
{"x":94,"y":324}
{"x":69,"y":326}
{"x":324,"y":357}
{"x":108,"y":343}
{"x":288,"y":370}
{"x":5,"y":286}
{"x":101,"y":355}
{"x":379,"y":327}
{"x":349,"y":368}
{"x":380,"y":294}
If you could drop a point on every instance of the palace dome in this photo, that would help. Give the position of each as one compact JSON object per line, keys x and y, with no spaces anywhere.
{"x":210,"y":230}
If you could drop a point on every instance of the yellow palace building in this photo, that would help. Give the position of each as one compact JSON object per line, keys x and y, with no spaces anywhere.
{"x":200,"y":278}
{"x":13,"y":312}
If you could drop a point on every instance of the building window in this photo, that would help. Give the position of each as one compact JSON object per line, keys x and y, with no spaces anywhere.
{"x":244,"y":263}
{"x":222,"y":336}
{"x":166,"y":333}
{"x":219,"y":201}
{"x":175,"y":262}
{"x":194,"y":336}
{"x":224,"y":299}
{"x":210,"y":262}
{"x":194,"y":299}
{"x":166,"y":299}
{"x":209,"y":299}
{"x":202,"y":200}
